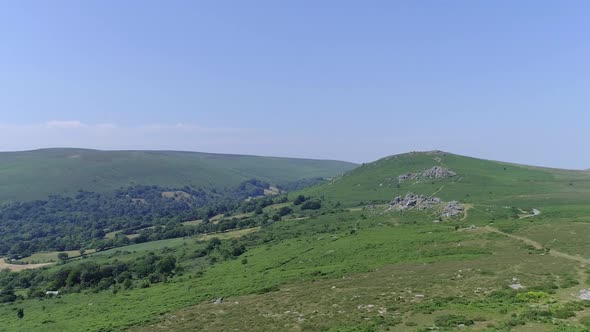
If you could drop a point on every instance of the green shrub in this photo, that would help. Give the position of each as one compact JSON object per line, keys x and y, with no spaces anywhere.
{"x":548,"y":288}
{"x":585,"y":321}
{"x":299,"y":199}
{"x":311,"y":205}
{"x":532,"y":296}
{"x":536,"y":314}
{"x":285,"y":210}
{"x":563,"y":313}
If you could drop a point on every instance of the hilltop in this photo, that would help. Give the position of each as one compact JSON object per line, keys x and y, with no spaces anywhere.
{"x":37,"y":174}
{"x":471,"y":180}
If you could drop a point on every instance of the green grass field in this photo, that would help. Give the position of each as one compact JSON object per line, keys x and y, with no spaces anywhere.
{"x":46,"y":257}
{"x":354,"y":266}
{"x":37,"y":174}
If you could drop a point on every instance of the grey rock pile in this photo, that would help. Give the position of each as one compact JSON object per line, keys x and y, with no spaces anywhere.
{"x":413,"y":201}
{"x":452,"y":209}
{"x":584,"y":295}
{"x":436,"y":172}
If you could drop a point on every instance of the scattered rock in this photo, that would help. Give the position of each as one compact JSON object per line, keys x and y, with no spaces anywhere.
{"x":421,"y":202}
{"x":452,"y":209}
{"x":436,"y":172}
{"x":412,"y":201}
{"x":516,"y":286}
{"x":584,"y":294}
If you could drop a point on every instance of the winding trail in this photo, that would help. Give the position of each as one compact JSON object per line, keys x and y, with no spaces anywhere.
{"x":539,"y":246}
{"x":467,"y":207}
{"x":439,"y":190}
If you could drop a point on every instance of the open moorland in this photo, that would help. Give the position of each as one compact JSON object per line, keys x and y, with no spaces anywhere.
{"x":413,"y":242}
{"x":37,"y":174}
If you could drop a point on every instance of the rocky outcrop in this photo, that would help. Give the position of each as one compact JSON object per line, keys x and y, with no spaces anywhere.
{"x":436,"y":172}
{"x":413,"y":201}
{"x":453,"y":209}
{"x":584,"y":295}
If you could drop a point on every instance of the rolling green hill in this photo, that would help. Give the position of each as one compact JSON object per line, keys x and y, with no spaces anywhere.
{"x":476,"y":181}
{"x":37,"y":174}
{"x":348,"y":264}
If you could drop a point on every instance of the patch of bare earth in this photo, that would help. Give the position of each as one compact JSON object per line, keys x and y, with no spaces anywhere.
{"x":20,"y":267}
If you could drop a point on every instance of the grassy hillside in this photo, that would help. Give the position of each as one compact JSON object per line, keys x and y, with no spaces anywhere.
{"x":476,"y":181}
{"x":354,"y":265}
{"x":37,"y":174}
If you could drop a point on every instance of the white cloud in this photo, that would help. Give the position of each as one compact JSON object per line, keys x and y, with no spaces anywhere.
{"x":106,"y":126}
{"x":56,"y":124}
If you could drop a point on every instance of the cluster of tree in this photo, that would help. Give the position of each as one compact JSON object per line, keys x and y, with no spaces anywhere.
{"x":116,"y":275}
{"x":306,"y":203}
{"x":62,"y":223}
{"x":217,"y":250}
{"x":73,"y":278}
{"x":311,"y":205}
{"x":299,"y":200}
{"x":174,"y":228}
{"x":7,"y":295}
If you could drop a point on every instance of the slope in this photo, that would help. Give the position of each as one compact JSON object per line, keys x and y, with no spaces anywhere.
{"x":37,"y":174}
{"x":476,"y":181}
{"x":345,"y":268}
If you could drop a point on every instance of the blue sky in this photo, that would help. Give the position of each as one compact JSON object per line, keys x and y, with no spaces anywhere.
{"x":351,"y":80}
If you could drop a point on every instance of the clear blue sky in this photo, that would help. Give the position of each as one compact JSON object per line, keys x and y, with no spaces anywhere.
{"x":357,"y":81}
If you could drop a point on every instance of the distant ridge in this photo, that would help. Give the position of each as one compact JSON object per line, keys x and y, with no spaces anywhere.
{"x":36,"y":174}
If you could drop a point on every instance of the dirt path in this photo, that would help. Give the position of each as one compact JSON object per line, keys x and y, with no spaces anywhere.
{"x":539,"y":246}
{"x":466,"y":212}
{"x":295,"y":219}
{"x":439,"y":190}
{"x":534,"y":214}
